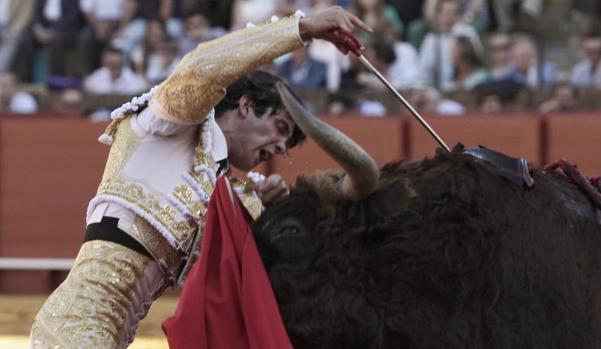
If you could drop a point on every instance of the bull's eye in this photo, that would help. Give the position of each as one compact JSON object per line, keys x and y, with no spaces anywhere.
{"x":288,"y":230}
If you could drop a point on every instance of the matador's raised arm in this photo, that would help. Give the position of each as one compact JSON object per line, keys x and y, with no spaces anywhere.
{"x":201,"y":78}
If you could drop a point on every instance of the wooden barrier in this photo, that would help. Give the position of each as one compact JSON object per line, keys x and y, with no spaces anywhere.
{"x":576,"y":138}
{"x":50,"y":168}
{"x":516,"y":135}
{"x":382,"y":138}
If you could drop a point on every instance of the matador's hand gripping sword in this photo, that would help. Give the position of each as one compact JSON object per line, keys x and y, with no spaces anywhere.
{"x":352,"y":43}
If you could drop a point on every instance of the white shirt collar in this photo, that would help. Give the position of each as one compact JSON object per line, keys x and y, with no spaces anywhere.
{"x":219,"y":151}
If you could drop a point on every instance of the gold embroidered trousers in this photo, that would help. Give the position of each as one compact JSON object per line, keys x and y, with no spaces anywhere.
{"x":100,"y":303}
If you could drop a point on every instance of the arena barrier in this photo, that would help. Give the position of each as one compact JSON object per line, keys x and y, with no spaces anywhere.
{"x":50,"y":167}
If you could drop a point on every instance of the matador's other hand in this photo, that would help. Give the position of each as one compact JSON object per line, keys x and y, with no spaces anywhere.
{"x":329,"y":24}
{"x":273,"y":188}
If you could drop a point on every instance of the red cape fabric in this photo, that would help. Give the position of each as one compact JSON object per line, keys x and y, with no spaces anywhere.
{"x":227,"y":301}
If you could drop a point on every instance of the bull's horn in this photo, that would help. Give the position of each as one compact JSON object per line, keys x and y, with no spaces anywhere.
{"x":361,"y":169}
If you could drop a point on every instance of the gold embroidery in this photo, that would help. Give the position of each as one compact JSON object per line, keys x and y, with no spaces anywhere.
{"x":156,"y":244}
{"x":165,"y":214}
{"x":125,"y":141}
{"x":202,"y":76}
{"x":90,"y":308}
{"x":186,"y":196}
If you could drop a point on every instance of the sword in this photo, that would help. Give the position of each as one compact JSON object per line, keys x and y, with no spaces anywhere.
{"x":354,"y":45}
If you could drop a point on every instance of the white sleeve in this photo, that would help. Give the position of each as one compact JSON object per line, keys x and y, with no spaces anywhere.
{"x":148,"y":123}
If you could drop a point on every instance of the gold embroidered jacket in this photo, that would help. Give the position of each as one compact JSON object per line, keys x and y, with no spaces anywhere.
{"x":174,"y":205}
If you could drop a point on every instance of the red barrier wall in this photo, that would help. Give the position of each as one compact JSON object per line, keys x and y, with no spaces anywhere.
{"x":515,"y":135}
{"x":576,"y":138}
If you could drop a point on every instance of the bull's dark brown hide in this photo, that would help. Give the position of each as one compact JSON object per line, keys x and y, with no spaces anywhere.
{"x":444,"y":254}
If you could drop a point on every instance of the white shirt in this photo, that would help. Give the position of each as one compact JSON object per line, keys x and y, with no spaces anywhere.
{"x":23,"y":103}
{"x":435,"y":53}
{"x":104,"y":10}
{"x":4,"y":13}
{"x":53,"y":10}
{"x":583,"y":76}
{"x":128,"y":83}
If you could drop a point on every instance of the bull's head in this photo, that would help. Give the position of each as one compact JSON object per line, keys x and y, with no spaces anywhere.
{"x":465,"y":258}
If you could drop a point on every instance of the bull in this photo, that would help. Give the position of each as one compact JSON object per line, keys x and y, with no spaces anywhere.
{"x":442,"y":253}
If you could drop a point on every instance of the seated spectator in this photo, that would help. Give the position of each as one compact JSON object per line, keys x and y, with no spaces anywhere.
{"x":435,"y":52}
{"x":11,"y":99}
{"x":161,"y":63}
{"x":218,"y":13}
{"x":499,"y":48}
{"x":15,"y":15}
{"x":402,"y":72}
{"x":114,"y":77}
{"x":468,"y":66}
{"x":563,"y":99}
{"x":103,"y":19}
{"x":427,"y":100}
{"x":252,"y":11}
{"x":302,"y":71}
{"x":507,"y":91}
{"x":382,"y":57}
{"x":587,"y":73}
{"x":156,"y":58}
{"x":196,"y":30}
{"x":374,"y":12}
{"x":55,"y":28}
{"x":139,"y":13}
{"x":69,"y":101}
{"x":527,"y":67}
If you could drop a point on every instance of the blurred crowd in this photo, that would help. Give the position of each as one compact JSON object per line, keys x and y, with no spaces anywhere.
{"x":429,"y":49}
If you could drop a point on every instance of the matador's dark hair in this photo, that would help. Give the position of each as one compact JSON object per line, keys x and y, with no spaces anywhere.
{"x":260,"y":87}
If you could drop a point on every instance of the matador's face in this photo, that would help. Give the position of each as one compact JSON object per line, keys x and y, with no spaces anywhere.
{"x":259,"y":138}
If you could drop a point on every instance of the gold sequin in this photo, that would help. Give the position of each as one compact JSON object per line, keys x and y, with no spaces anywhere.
{"x":90,"y":308}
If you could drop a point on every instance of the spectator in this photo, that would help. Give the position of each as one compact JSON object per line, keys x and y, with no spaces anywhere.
{"x":527,"y":66}
{"x":139,"y":13}
{"x":219,"y":13}
{"x":56,"y":26}
{"x":15,"y":15}
{"x":435,"y":52}
{"x":161,"y":63}
{"x":499,"y":48}
{"x":252,"y":11}
{"x":587,"y":73}
{"x":103,"y":20}
{"x":11,"y":99}
{"x":302,"y":71}
{"x":382,"y":56}
{"x":428,"y":100}
{"x":114,"y":77}
{"x":155,"y":35}
{"x":69,"y":101}
{"x":409,"y":12}
{"x":468,"y":66}
{"x":402,"y":72}
{"x":374,"y":12}
{"x":196,"y":31}
{"x":563,"y":99}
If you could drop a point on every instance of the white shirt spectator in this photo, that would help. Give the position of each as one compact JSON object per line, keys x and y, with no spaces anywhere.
{"x":402,"y":73}
{"x":22,"y":103}
{"x":583,"y":76}
{"x":104,"y":10}
{"x":128,"y":83}
{"x":435,"y":53}
{"x":53,"y":10}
